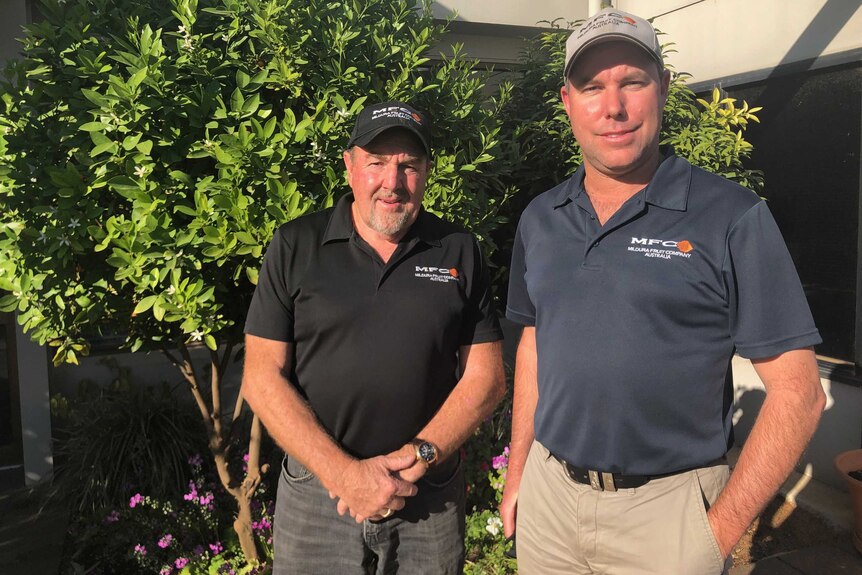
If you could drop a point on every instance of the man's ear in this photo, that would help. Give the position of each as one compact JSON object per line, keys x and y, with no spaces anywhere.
{"x":564,"y":96}
{"x":665,"y":86}
{"x":347,"y":156}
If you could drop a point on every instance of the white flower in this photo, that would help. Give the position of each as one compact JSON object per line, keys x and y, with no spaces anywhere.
{"x":208,"y":144}
{"x":140,"y":171}
{"x":187,"y":43}
{"x":64,"y":241}
{"x":182,"y":30}
{"x":33,"y":179}
{"x":197,"y":335}
{"x":171,"y":290}
{"x":42,"y":237}
{"x":494,"y":525}
{"x":74,"y":223}
{"x":342,"y":113}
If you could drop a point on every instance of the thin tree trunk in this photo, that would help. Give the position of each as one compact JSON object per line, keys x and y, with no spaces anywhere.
{"x":218,"y":440}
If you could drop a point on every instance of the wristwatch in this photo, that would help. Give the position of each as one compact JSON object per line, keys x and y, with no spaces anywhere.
{"x":425,"y":451}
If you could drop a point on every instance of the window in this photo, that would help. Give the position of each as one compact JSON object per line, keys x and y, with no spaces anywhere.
{"x":808,"y":145}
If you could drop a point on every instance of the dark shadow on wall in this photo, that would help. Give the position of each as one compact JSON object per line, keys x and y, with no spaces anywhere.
{"x":808,"y":145}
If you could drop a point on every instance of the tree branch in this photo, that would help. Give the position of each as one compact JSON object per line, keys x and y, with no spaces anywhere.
{"x":188,"y":369}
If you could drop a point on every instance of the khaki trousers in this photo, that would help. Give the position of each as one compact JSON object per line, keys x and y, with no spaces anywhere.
{"x":661,"y":528}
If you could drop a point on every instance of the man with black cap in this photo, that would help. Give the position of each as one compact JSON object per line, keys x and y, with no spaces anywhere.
{"x":636,"y":281}
{"x":372,"y":353}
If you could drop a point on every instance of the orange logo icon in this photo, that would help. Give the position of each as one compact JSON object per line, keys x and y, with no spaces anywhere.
{"x":684,"y":246}
{"x":453,"y":272}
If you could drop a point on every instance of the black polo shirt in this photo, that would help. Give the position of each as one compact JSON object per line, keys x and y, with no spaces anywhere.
{"x":637,"y":320}
{"x":376,"y":344}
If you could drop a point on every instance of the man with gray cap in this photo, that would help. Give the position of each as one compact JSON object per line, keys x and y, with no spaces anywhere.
{"x":636,"y":280}
{"x":372,"y":353}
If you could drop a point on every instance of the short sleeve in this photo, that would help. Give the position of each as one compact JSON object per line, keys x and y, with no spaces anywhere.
{"x":481,"y":324}
{"x":270,"y":314}
{"x":769,"y":314}
{"x":519,"y":306}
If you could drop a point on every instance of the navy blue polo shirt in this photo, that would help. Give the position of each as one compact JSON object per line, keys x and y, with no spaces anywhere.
{"x":637,"y":320}
{"x":376,"y":344}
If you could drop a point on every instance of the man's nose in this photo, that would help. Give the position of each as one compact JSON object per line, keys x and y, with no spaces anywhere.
{"x":614,"y":103}
{"x":391,"y":177}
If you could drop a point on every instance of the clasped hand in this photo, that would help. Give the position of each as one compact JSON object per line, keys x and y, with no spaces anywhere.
{"x":368,"y":487}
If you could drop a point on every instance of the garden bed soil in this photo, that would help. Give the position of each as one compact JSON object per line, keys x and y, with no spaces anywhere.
{"x":784,"y":527}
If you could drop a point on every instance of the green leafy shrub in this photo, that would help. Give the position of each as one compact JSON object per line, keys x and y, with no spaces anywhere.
{"x":148,"y":151}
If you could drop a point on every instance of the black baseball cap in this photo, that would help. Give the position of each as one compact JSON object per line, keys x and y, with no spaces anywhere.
{"x":375,"y":119}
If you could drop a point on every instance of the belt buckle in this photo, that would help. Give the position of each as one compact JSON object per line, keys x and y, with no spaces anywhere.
{"x":601,"y":481}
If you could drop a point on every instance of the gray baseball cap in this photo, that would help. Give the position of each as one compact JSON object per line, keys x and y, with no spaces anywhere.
{"x":612,"y":24}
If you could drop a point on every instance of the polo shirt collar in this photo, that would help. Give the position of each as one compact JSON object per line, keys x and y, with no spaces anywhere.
{"x":668,"y":188}
{"x":340,"y":226}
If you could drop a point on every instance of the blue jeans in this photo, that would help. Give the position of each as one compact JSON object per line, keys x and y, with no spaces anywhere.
{"x":426,"y":537}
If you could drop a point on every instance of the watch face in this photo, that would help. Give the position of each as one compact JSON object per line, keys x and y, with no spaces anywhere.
{"x":427,"y":452}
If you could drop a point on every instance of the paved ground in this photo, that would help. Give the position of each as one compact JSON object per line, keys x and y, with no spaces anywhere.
{"x":31,"y":535}
{"x":840,"y":559}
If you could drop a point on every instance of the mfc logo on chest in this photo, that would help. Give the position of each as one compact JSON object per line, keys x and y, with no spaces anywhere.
{"x":662,"y":249}
{"x":436,"y":274}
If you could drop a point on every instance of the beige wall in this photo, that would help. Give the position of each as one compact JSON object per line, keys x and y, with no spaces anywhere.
{"x":510,"y":12}
{"x":744,"y":40}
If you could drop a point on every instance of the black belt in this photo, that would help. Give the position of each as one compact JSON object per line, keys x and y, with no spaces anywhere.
{"x":603,"y":481}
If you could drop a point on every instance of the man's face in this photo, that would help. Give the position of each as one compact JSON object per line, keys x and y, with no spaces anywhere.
{"x":388,"y":178}
{"x":614,"y":98}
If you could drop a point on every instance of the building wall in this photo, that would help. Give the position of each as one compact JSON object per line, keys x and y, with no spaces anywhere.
{"x":13,"y":15}
{"x":510,"y":12}
{"x":494,"y":31}
{"x":743,"y":40}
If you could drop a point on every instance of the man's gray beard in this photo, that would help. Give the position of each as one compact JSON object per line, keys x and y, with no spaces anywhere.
{"x":389,"y":224}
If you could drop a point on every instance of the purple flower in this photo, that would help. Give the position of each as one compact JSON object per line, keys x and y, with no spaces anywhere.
{"x":196,"y":460}
{"x":165,"y":541}
{"x":501,"y":461}
{"x":112,"y":517}
{"x":140,"y":550}
{"x":181,"y":562}
{"x":261,"y":525}
{"x":193,"y":492}
{"x":216,"y":547}
{"x":136,"y":499}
